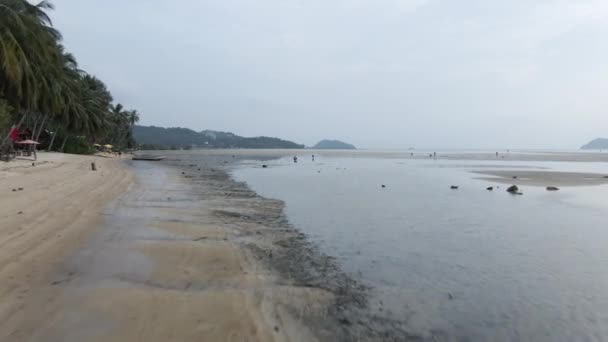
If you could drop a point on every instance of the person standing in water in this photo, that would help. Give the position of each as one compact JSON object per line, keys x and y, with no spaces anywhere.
{"x":313,"y":157}
{"x":295,"y":159}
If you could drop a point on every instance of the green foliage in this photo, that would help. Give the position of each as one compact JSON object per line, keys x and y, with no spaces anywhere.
{"x":78,"y":145}
{"x":42,"y":82}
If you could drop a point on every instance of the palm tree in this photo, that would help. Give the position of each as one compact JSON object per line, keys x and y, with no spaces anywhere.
{"x":42,"y":83}
{"x":133,"y":117}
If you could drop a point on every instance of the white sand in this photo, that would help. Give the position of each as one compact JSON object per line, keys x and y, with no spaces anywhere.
{"x":57,"y":209}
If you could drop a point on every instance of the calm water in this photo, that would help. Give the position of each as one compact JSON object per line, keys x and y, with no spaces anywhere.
{"x":457,"y":265}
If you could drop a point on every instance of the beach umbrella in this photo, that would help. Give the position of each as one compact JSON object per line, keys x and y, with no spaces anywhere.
{"x":28,"y":142}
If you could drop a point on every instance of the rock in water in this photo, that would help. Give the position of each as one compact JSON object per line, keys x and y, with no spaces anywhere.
{"x":384,"y":186}
{"x":513,"y":189}
{"x":490,"y":188}
{"x":264,"y":166}
{"x":454,"y":187}
{"x":552,"y":188}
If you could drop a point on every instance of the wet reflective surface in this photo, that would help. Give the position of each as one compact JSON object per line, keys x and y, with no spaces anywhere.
{"x":466,"y":264}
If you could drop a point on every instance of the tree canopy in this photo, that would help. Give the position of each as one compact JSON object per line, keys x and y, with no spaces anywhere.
{"x":42,"y":87}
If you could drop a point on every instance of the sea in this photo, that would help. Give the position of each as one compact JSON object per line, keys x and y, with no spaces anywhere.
{"x":462,"y":264}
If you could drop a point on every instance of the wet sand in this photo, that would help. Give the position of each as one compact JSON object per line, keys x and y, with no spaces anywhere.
{"x":543,"y":178}
{"x":515,"y":155}
{"x":185,"y":254}
{"x":175,"y":260}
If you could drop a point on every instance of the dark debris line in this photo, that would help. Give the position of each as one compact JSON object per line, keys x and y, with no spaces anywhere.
{"x":297,"y":260}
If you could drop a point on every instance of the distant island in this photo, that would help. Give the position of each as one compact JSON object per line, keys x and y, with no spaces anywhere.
{"x":159,"y":138}
{"x":596,"y":144}
{"x":333,"y":145}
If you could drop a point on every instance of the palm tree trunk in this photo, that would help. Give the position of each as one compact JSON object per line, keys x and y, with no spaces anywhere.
{"x":41,"y":127}
{"x":52,"y":140}
{"x":63,"y":143}
{"x":35,"y":126}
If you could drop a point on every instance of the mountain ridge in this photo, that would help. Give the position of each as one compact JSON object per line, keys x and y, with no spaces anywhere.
{"x":596,"y":144}
{"x":161,"y":138}
{"x":328,"y":144}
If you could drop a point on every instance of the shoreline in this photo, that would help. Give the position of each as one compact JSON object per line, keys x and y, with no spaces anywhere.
{"x":171,"y":258}
{"x":189,"y":255}
{"x":296,"y":261}
{"x":174,"y":248}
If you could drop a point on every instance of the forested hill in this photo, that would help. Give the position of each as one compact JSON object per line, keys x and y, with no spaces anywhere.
{"x":333,"y":145}
{"x":152,"y":137}
{"x":596,"y":144}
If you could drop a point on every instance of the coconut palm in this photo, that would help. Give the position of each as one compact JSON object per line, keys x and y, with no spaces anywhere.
{"x":42,"y":83}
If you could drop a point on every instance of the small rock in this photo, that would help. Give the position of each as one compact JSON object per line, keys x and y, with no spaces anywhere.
{"x":513,"y":189}
{"x":552,"y":188}
{"x":19,"y":213}
{"x":454,"y":187}
{"x":344,"y":321}
{"x":514,"y":177}
{"x":20,"y":189}
{"x":490,"y":188}
{"x":183,"y":173}
{"x":14,"y":190}
{"x":384,"y":186}
{"x":264,"y":166}
{"x":450,"y":296}
{"x":276,"y":328}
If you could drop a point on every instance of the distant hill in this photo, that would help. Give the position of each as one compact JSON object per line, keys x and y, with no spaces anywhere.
{"x":333,"y":145}
{"x":152,"y":137}
{"x":596,"y":144}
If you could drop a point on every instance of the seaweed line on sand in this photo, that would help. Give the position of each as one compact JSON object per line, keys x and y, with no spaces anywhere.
{"x":294,"y":258}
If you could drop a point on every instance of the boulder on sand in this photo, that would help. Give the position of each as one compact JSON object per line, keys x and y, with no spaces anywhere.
{"x":552,"y":188}
{"x":490,"y":188}
{"x":454,"y":187}
{"x":513,"y":189}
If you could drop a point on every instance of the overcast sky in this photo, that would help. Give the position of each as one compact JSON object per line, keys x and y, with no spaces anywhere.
{"x":376,"y":73}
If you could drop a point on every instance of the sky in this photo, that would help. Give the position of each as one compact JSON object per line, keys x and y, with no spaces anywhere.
{"x":375,"y":73}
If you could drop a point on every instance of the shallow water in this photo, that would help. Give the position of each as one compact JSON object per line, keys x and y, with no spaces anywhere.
{"x":466,"y":264}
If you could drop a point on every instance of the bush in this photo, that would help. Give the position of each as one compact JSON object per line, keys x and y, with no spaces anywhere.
{"x":78,"y":145}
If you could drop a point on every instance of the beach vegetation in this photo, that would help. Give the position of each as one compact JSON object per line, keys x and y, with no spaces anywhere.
{"x":43,"y":89}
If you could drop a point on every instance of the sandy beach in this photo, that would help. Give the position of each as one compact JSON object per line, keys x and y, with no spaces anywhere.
{"x":47,"y":211}
{"x":169,"y":259}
